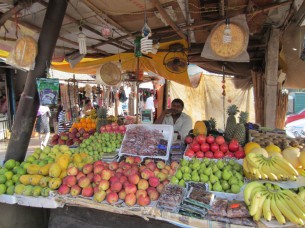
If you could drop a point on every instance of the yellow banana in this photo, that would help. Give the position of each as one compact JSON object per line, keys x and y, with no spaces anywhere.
{"x":282,"y":172}
{"x":285,"y":165}
{"x":259,"y":211}
{"x":294,"y":207}
{"x":257,"y":174}
{"x":270,"y":172}
{"x":249,"y":189}
{"x":275,"y":211}
{"x":245,"y":166}
{"x":254,"y":160}
{"x":295,"y":198}
{"x":267,"y":209}
{"x":284,"y":208}
{"x":255,"y":202}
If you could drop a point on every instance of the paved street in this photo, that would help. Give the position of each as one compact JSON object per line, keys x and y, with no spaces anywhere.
{"x":34,"y":143}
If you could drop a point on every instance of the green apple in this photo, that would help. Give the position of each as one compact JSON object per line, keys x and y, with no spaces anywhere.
{"x":239,"y":176}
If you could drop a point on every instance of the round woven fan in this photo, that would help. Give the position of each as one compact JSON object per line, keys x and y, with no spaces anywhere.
{"x":109,"y":74}
{"x":25,"y":51}
{"x":231,"y":49}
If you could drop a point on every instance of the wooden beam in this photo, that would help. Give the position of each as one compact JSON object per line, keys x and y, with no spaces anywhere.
{"x":7,"y":15}
{"x":102,"y":14}
{"x":45,"y":4}
{"x":38,"y":30}
{"x":168,"y":20}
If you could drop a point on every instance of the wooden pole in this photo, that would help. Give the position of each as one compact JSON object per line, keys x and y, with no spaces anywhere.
{"x":29,"y":102}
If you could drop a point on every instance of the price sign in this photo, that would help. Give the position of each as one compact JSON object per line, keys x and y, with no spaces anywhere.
{"x":146,"y":116}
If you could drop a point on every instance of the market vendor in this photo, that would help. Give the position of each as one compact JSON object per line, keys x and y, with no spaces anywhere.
{"x":174,"y":116}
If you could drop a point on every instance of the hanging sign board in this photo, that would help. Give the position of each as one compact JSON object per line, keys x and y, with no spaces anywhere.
{"x":147,"y":116}
{"x":48,"y":90}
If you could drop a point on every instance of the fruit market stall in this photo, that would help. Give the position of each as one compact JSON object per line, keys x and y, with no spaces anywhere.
{"x":212,"y":178}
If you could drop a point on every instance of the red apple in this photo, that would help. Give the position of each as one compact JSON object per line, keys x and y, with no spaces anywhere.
{"x":188,"y":139}
{"x":199,"y":154}
{"x":208,"y":154}
{"x":210,"y":139}
{"x":229,"y":154}
{"x":239,"y":154}
{"x":190,"y":153}
{"x":200,"y":138}
{"x":224,"y":147}
{"x":204,"y":147}
{"x":218,"y":154}
{"x":130,"y":199}
{"x":220,"y":140}
{"x":112,"y":197}
{"x":195,"y":146}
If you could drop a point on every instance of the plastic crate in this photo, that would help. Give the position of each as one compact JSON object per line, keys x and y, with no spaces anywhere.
{"x":166,"y":130}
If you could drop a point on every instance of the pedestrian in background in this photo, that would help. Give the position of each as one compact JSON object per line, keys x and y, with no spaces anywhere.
{"x":43,"y":125}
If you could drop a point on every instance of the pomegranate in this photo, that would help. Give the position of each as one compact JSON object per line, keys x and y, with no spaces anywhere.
{"x":210,"y":139}
{"x":220,"y":140}
{"x":195,"y":147}
{"x":233,"y":145}
{"x":204,"y":147}
{"x":239,"y":154}
{"x":224,"y":147}
{"x":229,"y":154}
{"x":218,"y":154}
{"x":208,"y":154}
{"x":200,"y":139}
{"x":190,"y":153}
{"x":188,"y":139}
{"x":214,"y":147}
{"x":199,"y":154}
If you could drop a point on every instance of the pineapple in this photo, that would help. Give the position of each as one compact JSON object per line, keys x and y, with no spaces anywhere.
{"x":212,"y":122}
{"x":231,"y":122}
{"x":101,"y":118}
{"x":240,"y":130}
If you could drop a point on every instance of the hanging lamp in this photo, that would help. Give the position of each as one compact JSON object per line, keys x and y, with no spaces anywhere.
{"x":82,"y":42}
{"x":227,"y":35}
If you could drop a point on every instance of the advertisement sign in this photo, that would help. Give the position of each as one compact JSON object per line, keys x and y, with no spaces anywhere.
{"x":48,"y":90}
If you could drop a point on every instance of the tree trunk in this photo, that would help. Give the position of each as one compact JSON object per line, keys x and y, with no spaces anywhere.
{"x":29,"y":102}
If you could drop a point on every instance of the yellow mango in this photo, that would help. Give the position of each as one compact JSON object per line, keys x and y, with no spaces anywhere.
{"x":63,"y":161}
{"x":33,"y":169}
{"x":25,"y":179}
{"x":35,"y":179}
{"x":63,"y":173}
{"x":54,"y":183}
{"x":54,"y":170}
{"x":44,"y":170}
{"x":77,"y":158}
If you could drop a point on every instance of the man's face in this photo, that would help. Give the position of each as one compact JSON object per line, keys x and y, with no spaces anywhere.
{"x":176,"y":108}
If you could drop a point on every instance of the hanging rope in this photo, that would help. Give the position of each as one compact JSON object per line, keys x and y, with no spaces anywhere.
{"x":224,"y":96}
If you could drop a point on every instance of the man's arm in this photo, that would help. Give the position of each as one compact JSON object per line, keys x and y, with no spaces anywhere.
{"x":160,"y":119}
{"x":186,"y":127}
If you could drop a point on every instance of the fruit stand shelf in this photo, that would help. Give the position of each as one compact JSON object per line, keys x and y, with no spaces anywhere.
{"x":145,"y":213}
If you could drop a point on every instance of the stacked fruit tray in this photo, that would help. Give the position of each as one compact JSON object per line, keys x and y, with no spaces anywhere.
{"x":147,"y":141}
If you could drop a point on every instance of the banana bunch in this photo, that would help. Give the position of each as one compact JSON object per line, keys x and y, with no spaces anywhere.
{"x":276,"y":168}
{"x":267,"y":200}
{"x":91,"y":114}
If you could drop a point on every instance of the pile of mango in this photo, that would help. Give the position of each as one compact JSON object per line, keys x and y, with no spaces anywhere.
{"x":44,"y":170}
